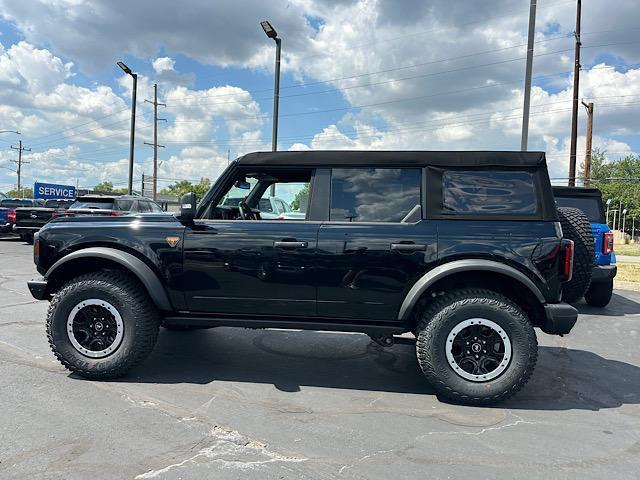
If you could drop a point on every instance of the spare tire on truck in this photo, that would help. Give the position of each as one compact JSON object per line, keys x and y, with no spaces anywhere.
{"x":576,"y":227}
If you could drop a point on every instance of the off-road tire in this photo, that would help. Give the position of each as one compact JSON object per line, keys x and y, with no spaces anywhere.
{"x":599,"y":293}
{"x":139,"y":316}
{"x":576,"y":227}
{"x":444,"y":314}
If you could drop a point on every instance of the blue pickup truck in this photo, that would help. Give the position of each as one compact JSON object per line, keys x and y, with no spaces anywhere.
{"x":8,"y":211}
{"x":589,"y":200}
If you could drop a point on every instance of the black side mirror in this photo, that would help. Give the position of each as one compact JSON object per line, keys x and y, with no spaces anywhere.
{"x":188,"y":207}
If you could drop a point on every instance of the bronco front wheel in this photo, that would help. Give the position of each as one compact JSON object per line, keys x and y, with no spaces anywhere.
{"x":101,"y":325}
{"x":476,"y":347}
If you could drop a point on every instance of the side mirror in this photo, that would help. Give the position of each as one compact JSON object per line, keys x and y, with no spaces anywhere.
{"x":188,"y":207}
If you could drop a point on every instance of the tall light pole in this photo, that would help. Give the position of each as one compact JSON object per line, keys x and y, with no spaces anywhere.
{"x":608,"y":203}
{"x":527,"y":76}
{"x":128,"y":71}
{"x":624,"y":221}
{"x":271,"y":33}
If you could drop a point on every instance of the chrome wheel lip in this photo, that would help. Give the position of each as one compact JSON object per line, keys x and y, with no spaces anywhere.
{"x":119,"y":332}
{"x":506,"y":360}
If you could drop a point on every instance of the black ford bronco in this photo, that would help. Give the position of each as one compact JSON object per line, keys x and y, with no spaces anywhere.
{"x":462,"y":249}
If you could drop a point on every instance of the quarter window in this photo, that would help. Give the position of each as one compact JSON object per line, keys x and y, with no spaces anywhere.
{"x":488,"y":192}
{"x":375,"y":195}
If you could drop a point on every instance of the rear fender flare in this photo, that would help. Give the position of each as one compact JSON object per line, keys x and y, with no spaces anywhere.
{"x":131,"y":263}
{"x":456,"y":266}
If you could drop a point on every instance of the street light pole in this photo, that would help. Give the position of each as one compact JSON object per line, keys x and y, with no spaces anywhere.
{"x":624,"y":222}
{"x":128,"y":71}
{"x":608,"y":203}
{"x":271,"y":33}
{"x":527,"y":77}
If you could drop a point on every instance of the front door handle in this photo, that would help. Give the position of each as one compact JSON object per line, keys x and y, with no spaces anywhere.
{"x":408,"y":247}
{"x":290,"y":244}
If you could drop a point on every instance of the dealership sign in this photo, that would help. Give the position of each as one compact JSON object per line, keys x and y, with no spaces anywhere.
{"x":50,"y":190}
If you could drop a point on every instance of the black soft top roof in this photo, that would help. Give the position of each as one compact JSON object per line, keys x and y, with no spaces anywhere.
{"x":560,"y":191}
{"x":327,"y":158}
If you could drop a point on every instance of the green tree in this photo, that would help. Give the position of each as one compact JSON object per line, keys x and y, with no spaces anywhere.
{"x":104,"y":187}
{"x":618,"y":180}
{"x":185,"y":186}
{"x":25,"y":192}
{"x":304,"y":192}
{"x":107,"y":187}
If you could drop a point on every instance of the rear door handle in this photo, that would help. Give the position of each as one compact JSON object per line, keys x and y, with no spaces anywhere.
{"x":290,"y":244}
{"x":408,"y":247}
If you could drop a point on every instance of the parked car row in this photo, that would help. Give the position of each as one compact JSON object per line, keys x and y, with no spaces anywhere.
{"x":26,"y":216}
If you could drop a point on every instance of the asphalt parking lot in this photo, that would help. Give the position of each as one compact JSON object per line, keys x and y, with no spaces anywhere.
{"x":233,"y":403}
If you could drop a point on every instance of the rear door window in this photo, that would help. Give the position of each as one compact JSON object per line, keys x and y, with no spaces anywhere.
{"x":375,"y":195}
{"x":488,"y":192}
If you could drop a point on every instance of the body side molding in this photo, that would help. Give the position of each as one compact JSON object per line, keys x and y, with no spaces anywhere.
{"x":136,"y":266}
{"x":457,"y":266}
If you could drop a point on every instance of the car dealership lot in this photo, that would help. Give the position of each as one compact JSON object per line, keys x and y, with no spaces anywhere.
{"x":234,"y":403}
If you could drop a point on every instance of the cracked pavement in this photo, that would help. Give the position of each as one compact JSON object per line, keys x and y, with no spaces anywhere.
{"x":244,"y":404}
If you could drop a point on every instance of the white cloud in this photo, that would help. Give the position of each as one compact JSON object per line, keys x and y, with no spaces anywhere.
{"x":163,"y":64}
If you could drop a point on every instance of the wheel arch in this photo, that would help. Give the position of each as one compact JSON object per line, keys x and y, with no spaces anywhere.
{"x":486,"y":274}
{"x":96,"y":258}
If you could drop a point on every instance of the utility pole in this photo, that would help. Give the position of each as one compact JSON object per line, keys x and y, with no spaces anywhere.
{"x":587,"y":155}
{"x":527,"y":77}
{"x":155,"y":138}
{"x":20,"y":149}
{"x":576,"y":88}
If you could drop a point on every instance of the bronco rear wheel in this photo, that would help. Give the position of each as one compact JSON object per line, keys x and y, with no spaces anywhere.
{"x":101,"y":325}
{"x":476,"y":346}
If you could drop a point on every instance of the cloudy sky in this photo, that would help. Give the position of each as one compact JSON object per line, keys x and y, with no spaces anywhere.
{"x":356,"y":74}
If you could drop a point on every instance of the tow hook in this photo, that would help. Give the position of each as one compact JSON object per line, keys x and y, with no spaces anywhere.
{"x":382,"y":340}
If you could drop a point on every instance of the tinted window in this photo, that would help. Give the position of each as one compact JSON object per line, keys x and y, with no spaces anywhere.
{"x":155,"y":207}
{"x":591,"y":206}
{"x":123,"y":205}
{"x":488,"y":192}
{"x":94,"y":203}
{"x":265,"y":205}
{"x":58,"y":203}
{"x":375,"y":194}
{"x":15,"y":203}
{"x":281,"y":207}
{"x":144,"y":206}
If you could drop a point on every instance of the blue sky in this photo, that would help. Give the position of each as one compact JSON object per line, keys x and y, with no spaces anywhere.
{"x":356,"y":74}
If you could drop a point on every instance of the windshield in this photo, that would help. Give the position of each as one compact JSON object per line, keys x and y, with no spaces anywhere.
{"x":591,"y":206}
{"x":94,"y":203}
{"x":15,"y":203}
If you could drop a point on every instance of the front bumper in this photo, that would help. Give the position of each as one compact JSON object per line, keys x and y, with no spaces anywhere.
{"x":603,"y":273}
{"x":38,"y":288}
{"x":559,"y":318}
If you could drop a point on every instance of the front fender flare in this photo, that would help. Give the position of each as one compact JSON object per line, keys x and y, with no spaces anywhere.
{"x":456,"y":266}
{"x":133,"y":264}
